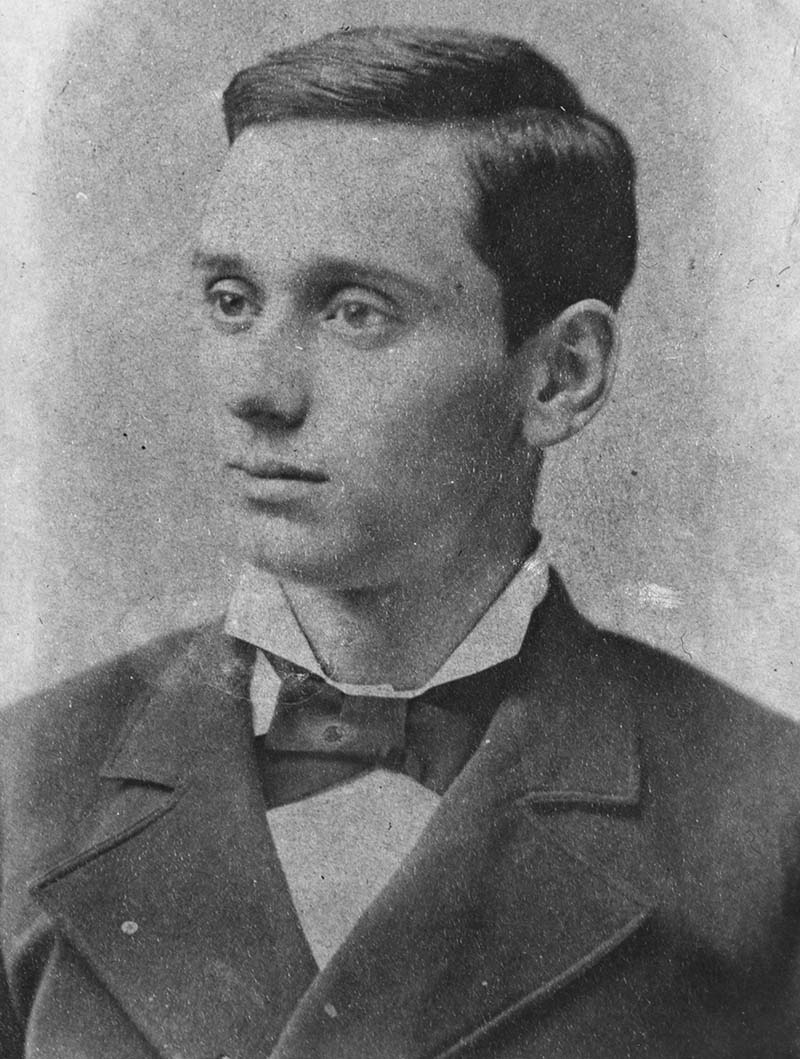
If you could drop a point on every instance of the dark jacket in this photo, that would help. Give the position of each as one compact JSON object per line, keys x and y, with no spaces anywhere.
{"x":615,"y":873}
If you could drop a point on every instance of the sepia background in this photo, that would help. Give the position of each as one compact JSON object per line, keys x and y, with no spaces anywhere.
{"x":675,"y":517}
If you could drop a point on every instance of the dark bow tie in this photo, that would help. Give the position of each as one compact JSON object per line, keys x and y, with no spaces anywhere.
{"x":320,"y":736}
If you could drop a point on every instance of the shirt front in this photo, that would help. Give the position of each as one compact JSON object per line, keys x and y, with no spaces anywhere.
{"x":338,"y":848}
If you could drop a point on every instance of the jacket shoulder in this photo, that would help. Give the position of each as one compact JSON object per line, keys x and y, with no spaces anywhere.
{"x":666,"y":693}
{"x":686,"y":712}
{"x":105,"y":688}
{"x":679,"y":697}
{"x":720,"y":772}
{"x":53,"y":742}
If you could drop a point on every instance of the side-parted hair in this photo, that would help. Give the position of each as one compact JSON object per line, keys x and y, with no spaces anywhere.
{"x":554,"y":210}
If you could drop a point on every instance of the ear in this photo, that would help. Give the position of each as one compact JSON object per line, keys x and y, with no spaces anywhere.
{"x":570,"y":366}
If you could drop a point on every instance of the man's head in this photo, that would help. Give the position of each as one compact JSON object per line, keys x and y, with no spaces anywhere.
{"x":410,"y":263}
{"x":553,"y":209}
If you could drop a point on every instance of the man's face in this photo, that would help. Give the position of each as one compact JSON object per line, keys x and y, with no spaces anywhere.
{"x":368,"y":411}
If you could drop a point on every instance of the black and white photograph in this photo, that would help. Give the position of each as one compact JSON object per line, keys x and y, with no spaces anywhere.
{"x":400,"y":530}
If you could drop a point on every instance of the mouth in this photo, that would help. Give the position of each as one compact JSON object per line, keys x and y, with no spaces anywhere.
{"x":277,"y":470}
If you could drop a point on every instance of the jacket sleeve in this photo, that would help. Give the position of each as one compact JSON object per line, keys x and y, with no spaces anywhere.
{"x":11,"y":1037}
{"x":12,"y":1042}
{"x":794,"y":985}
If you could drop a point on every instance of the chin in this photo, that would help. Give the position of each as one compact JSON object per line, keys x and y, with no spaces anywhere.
{"x":335,"y":561}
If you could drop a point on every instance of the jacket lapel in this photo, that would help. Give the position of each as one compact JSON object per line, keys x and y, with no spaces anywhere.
{"x":176,"y":896}
{"x":177,"y":899}
{"x":503,"y":901}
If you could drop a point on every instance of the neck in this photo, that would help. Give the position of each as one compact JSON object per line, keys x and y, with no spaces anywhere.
{"x":402,"y":632}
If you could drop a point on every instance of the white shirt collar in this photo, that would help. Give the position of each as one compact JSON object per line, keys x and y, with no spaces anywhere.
{"x":259,"y":614}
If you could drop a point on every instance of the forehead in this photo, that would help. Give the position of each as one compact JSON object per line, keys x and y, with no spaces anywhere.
{"x":343,"y":189}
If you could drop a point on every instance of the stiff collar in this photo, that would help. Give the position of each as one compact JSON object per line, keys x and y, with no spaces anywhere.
{"x":259,"y":614}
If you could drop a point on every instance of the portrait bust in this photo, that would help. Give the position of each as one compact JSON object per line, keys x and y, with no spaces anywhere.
{"x":402,"y":799}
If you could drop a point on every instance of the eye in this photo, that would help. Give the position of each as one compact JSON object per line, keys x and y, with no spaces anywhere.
{"x":360,"y":316}
{"x":231,"y":303}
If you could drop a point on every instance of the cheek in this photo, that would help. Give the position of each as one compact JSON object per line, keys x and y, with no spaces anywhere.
{"x":214,"y":372}
{"x":448,"y":430}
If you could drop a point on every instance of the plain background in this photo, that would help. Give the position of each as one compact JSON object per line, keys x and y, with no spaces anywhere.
{"x":674,"y":517}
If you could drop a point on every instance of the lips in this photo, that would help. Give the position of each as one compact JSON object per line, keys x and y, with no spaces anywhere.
{"x":271,"y":469}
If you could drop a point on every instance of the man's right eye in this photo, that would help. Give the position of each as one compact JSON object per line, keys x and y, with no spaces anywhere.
{"x":231,"y":302}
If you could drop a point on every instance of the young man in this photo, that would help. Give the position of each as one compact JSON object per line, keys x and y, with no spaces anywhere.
{"x":405,"y":802}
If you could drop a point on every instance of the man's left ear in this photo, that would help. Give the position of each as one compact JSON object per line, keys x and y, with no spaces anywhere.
{"x":570,"y":365}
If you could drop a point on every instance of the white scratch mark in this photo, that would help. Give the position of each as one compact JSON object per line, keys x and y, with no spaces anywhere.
{"x":660,"y":597}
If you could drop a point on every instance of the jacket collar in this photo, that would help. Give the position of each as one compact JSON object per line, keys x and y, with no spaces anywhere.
{"x":566,"y":732}
{"x":180,"y":848}
{"x":500,"y":904}
{"x":175,"y":895}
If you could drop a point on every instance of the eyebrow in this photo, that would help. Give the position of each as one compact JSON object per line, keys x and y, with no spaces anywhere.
{"x":324,"y":268}
{"x":206,"y":262}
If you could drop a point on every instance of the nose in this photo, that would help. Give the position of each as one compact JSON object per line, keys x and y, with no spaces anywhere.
{"x":268,"y":386}
{"x":268,"y":410}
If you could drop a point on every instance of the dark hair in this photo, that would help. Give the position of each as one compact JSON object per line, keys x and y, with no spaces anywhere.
{"x":555,"y":214}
